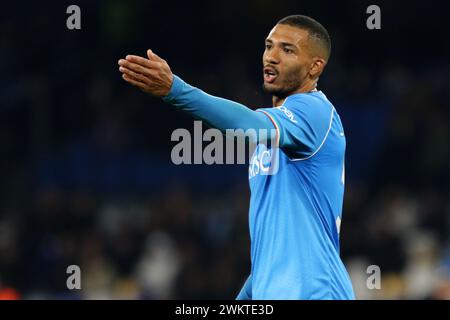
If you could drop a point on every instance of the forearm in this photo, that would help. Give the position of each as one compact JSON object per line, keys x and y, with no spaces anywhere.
{"x":217,"y":112}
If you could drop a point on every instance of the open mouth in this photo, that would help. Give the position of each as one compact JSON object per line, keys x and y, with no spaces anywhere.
{"x":270,"y":74}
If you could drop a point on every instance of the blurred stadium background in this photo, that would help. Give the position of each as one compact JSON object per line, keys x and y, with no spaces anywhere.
{"x":86,"y":175}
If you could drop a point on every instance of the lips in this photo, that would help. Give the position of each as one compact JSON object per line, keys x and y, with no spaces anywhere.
{"x":270,"y":74}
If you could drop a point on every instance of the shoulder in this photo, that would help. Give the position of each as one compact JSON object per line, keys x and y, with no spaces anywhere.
{"x":314,"y":102}
{"x":311,"y":107}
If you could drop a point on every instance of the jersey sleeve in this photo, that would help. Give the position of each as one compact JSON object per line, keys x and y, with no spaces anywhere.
{"x":220,"y":113}
{"x":303,"y":122}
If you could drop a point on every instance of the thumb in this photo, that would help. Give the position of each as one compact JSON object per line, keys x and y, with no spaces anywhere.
{"x":151,"y":55}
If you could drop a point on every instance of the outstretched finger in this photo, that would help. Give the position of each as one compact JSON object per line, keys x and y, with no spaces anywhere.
{"x":136,"y":75}
{"x":134,"y":82}
{"x":135,"y":67}
{"x":142,"y":61}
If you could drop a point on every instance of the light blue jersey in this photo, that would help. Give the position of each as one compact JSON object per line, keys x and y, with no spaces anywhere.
{"x":297,"y":192}
{"x":295,"y":213}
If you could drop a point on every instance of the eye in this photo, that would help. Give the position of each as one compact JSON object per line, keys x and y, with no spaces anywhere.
{"x":287,"y":50}
{"x":268,"y":46}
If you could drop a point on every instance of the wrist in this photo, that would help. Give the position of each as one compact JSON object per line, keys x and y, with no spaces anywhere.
{"x":174,"y":90}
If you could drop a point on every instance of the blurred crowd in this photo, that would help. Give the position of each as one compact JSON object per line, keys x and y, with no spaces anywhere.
{"x":86,"y":173}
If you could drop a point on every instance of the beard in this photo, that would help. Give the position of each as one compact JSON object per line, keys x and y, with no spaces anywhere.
{"x":290,"y":82}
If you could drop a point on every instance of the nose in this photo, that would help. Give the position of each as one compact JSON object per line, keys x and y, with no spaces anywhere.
{"x":272,"y":56}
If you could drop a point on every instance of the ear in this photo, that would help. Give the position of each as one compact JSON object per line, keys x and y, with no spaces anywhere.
{"x":317,"y":66}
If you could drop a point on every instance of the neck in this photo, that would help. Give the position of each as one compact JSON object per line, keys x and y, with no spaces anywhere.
{"x":310,"y":86}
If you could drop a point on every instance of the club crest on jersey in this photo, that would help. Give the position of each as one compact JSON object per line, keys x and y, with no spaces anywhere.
{"x":265,"y":161}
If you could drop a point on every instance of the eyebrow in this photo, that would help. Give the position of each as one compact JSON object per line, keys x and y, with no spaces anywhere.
{"x":284,"y":44}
